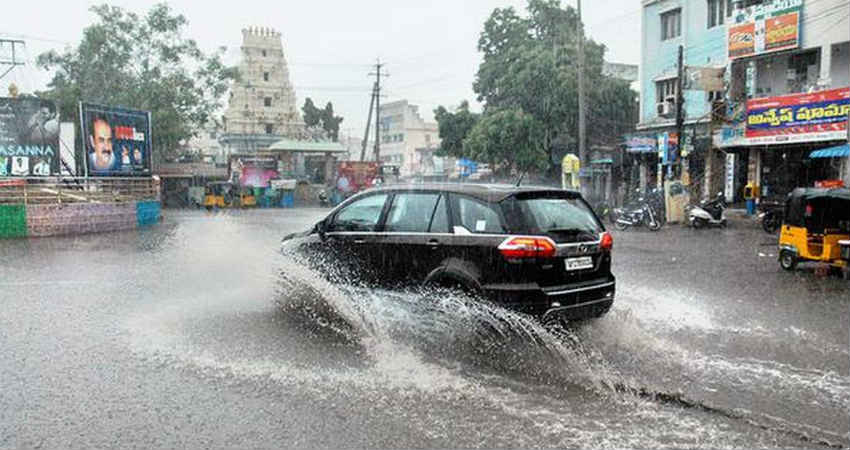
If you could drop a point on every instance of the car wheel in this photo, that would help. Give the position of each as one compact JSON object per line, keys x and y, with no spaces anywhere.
{"x":787,"y":260}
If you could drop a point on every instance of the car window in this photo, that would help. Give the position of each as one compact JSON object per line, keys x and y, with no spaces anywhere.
{"x":477,"y":216}
{"x":560,"y":217}
{"x":411,"y":212}
{"x":361,"y":215}
{"x":440,"y":220}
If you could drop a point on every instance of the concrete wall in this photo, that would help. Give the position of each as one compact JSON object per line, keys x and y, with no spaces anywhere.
{"x":75,"y":218}
{"x":703,"y":46}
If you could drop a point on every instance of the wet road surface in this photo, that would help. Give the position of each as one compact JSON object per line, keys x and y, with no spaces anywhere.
{"x":199,"y":332}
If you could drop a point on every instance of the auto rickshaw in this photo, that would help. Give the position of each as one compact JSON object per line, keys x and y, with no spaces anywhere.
{"x":246,"y":197}
{"x":217,"y":194}
{"x":816,"y":222}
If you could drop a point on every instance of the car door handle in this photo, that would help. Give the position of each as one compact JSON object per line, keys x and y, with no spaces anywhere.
{"x":359,"y":241}
{"x":433,"y":243}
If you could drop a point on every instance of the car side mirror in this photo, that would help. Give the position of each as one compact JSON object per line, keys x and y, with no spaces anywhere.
{"x":320,"y":228}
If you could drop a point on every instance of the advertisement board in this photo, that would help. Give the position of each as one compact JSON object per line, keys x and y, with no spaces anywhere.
{"x":29,"y":137}
{"x":765,"y":28}
{"x":818,"y":116}
{"x":355,"y":176}
{"x":641,"y":143}
{"x":253,"y":170}
{"x":117,"y":140}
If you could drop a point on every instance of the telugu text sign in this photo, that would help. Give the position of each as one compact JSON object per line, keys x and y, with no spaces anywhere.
{"x":819,"y":116}
{"x":764,"y":29}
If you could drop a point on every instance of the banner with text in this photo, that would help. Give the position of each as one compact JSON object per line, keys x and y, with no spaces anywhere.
{"x":765,"y":28}
{"x":819,"y":116}
{"x":29,"y":137}
{"x":117,"y":140}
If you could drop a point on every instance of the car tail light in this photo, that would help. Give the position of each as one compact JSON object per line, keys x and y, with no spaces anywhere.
{"x":520,"y":247}
{"x":607,"y":241}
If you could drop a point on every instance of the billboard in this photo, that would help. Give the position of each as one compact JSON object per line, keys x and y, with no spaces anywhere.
{"x":29,"y":137}
{"x":765,"y":28}
{"x":117,"y":140}
{"x":253,"y":170}
{"x":819,"y":116}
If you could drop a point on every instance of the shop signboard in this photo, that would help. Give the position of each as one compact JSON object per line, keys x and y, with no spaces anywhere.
{"x":730,"y":178}
{"x":818,"y":116}
{"x":117,"y":140}
{"x":253,"y":170}
{"x":641,"y":143}
{"x":765,"y":28}
{"x":29,"y":137}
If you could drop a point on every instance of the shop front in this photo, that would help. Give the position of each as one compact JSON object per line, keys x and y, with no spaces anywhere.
{"x":790,"y":141}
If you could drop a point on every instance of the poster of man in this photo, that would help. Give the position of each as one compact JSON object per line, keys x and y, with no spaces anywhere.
{"x":29,"y":137}
{"x":117,"y":140}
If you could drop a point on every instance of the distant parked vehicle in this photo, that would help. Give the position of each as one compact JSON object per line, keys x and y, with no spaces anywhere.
{"x":708,"y":213}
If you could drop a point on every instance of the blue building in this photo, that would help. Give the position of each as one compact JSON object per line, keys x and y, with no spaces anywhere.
{"x":779,"y":60}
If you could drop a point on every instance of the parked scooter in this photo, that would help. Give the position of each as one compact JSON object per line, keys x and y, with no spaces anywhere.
{"x":323,"y":198}
{"x":643,"y":214}
{"x":708,"y":213}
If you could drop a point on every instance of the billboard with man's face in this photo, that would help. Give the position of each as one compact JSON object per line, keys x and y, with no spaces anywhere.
{"x":29,"y":137}
{"x":117,"y":140}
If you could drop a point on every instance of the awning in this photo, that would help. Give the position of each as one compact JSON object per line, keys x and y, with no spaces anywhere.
{"x":839,"y":151}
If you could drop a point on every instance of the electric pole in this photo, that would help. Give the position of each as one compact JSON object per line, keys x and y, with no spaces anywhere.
{"x":680,"y":109}
{"x":582,"y":150}
{"x":13,"y":62}
{"x":378,"y":73}
{"x":368,"y":123}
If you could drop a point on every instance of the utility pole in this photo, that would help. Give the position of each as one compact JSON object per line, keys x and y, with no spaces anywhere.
{"x":13,"y":62}
{"x":368,"y":123}
{"x":582,"y":150}
{"x":377,"y":73}
{"x":680,"y":110}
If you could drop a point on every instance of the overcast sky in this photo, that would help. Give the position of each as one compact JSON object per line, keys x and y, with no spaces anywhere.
{"x":429,"y":47}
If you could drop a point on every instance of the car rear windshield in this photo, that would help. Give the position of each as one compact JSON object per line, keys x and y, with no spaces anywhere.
{"x":564,"y":218}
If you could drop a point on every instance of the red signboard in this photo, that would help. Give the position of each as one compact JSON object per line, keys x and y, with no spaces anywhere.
{"x":819,"y":116}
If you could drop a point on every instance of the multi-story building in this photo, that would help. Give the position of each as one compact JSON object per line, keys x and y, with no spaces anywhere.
{"x":262,"y":108}
{"x":786,"y":71}
{"x":403,"y":132}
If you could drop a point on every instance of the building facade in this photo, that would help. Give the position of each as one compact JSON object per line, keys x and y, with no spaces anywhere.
{"x":784,"y":96}
{"x":262,"y":108}
{"x":406,"y":138}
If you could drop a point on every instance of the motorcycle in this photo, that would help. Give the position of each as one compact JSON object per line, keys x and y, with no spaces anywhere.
{"x":644,"y":214}
{"x":771,"y":216}
{"x":708,"y":213}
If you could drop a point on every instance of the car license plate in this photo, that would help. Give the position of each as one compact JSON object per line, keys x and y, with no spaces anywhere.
{"x":584,"y":262}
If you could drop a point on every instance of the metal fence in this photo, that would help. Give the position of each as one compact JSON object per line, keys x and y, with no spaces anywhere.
{"x":40,"y":191}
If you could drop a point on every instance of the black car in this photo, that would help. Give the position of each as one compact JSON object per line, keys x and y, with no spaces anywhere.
{"x":541,"y":251}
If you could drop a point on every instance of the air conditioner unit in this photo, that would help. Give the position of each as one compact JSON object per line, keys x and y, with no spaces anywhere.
{"x":664,"y":109}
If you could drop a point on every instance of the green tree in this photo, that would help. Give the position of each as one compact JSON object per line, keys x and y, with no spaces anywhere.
{"x":508,"y":139}
{"x":312,"y":115}
{"x":325,"y":118}
{"x":453,"y":128}
{"x":330,"y":122}
{"x":528,"y":64}
{"x":142,"y":62}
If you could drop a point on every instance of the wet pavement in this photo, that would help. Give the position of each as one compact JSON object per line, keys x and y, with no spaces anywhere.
{"x":199,"y":332}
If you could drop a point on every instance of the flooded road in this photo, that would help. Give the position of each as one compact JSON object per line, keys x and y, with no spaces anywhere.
{"x":201,"y":332}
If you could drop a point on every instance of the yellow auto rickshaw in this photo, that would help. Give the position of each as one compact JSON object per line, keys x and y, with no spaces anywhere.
{"x":217,"y":194}
{"x":246,"y":197}
{"x":816,"y":228}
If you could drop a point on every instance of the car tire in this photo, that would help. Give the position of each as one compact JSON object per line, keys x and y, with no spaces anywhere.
{"x":787,"y":260}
